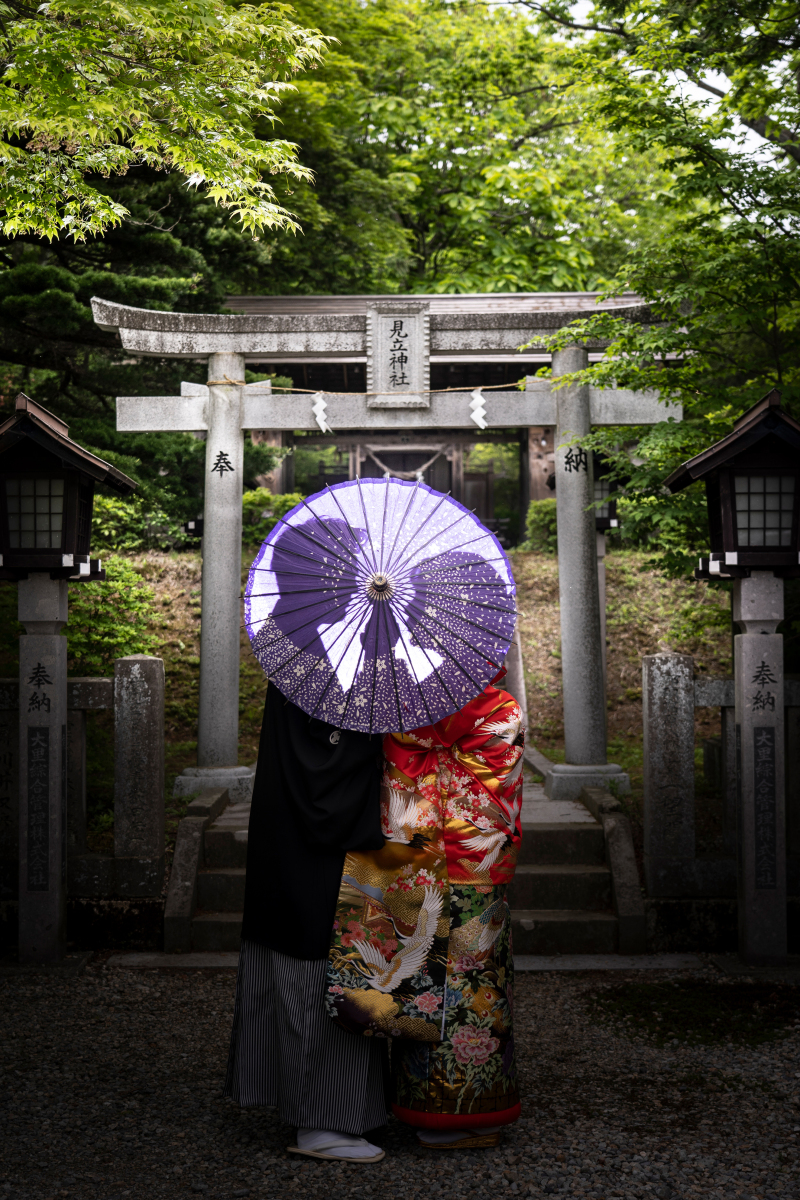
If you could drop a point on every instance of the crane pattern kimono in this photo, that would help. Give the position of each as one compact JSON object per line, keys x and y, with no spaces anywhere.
{"x":421,"y":946}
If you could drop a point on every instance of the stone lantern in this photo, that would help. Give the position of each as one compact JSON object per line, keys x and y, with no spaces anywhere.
{"x":752,"y":480}
{"x":47,"y":484}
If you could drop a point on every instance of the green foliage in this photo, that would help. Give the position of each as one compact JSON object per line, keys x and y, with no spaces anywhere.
{"x":278,"y":381}
{"x":94,"y":89}
{"x":701,"y":617}
{"x":132,"y":524}
{"x":261,"y":511}
{"x":109,"y":620}
{"x":723,"y":277}
{"x":449,"y":157}
{"x":106,"y":620}
{"x":502,"y":459}
{"x":446,"y":156}
{"x":309,"y":460}
{"x":540,"y":527}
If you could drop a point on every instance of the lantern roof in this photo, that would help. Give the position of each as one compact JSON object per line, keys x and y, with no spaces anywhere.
{"x":765,"y":419}
{"x":35,"y":424}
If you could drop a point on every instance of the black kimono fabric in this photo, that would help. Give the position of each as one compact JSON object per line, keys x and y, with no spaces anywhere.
{"x":315,"y":796}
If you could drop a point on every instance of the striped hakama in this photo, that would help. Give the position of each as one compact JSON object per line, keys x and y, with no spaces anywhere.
{"x":287,"y":1053}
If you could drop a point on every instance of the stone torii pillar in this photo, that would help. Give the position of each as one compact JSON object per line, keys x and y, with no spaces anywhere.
{"x":218,"y":721}
{"x":583,"y":681}
{"x":574,"y":410}
{"x":223,"y":409}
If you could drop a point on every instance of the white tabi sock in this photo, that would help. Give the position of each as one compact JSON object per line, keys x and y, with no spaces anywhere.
{"x":345,"y":1144}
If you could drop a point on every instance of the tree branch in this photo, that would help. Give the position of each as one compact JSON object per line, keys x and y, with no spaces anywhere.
{"x":707,"y":87}
{"x":781,"y":137}
{"x":538,"y":130}
{"x":617,"y":30}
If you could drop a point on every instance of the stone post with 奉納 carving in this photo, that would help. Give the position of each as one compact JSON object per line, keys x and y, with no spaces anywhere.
{"x":42,"y":769}
{"x":758,"y":653}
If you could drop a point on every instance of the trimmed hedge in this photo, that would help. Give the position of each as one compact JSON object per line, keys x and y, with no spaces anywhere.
{"x":261,"y":511}
{"x":540,"y":527}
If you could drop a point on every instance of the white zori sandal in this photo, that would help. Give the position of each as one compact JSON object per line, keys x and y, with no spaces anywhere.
{"x":321,"y":1143}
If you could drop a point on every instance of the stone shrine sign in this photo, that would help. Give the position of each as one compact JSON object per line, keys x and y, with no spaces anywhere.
{"x":398,"y":355}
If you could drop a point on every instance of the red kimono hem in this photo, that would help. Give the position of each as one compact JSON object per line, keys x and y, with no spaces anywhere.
{"x":424,"y":1120}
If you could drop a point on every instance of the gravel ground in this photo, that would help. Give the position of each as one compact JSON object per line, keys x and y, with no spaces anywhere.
{"x":113,"y":1081}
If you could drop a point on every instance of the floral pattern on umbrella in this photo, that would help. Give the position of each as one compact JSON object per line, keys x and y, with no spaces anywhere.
{"x":380,"y":605}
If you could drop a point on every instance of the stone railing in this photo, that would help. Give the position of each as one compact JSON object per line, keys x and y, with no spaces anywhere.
{"x":136,"y":695}
{"x":670,"y":695}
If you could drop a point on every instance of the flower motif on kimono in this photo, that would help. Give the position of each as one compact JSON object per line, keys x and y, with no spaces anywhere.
{"x":427,"y":1002}
{"x":354,"y":933}
{"x":425,"y":879}
{"x":453,"y":997}
{"x":472,"y":1045}
{"x":468,"y":962}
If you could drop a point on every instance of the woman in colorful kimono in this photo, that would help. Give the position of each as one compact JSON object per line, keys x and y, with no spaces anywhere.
{"x":421,"y":950}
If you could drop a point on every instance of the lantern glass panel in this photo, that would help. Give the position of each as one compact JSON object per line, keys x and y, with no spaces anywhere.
{"x":35,"y":513}
{"x":764,"y":509}
{"x":602,"y":490}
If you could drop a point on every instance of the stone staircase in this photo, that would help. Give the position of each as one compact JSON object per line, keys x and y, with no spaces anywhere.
{"x":562,"y":897}
{"x":217,"y":921}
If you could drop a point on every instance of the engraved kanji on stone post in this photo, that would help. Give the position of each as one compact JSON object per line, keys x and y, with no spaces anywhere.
{"x":761,"y":774}
{"x":43,"y":767}
{"x":220,"y":412}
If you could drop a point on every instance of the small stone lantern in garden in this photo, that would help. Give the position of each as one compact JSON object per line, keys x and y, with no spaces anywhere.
{"x":752,"y":480}
{"x":47,"y":484}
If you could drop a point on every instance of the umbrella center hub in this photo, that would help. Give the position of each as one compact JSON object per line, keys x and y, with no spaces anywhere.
{"x":379,"y":587}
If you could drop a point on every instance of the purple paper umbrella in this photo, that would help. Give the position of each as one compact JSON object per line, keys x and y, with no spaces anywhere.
{"x":380,"y":605}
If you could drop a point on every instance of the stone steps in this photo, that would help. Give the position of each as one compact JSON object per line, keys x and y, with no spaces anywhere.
{"x":577,"y":886}
{"x":226,"y":847}
{"x":216,"y":930}
{"x":560,"y":898}
{"x":221,"y":889}
{"x":535,"y":931}
{"x":552,"y":843}
{"x":563,"y":931}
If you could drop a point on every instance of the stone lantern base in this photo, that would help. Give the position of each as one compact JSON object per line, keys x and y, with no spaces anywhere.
{"x":564,"y":781}
{"x":238,"y":781}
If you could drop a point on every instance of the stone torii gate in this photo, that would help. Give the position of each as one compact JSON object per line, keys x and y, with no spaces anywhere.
{"x":397,"y":337}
